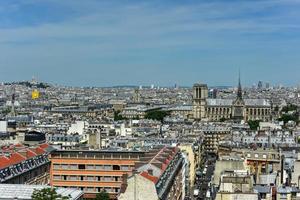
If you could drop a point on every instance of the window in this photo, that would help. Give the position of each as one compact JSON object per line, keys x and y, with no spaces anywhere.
{"x":116,"y":167}
{"x":90,"y":178}
{"x":256,"y":155}
{"x":265,"y":156}
{"x":64,"y":166}
{"x":56,"y":166}
{"x":56,"y":177}
{"x":72,"y":166}
{"x":99,"y":167}
{"x":107,"y":178}
{"x":125,"y":167}
{"x":73,"y":178}
{"x":107,"y":167}
{"x":90,"y":166}
{"x":81,"y":166}
{"x":89,"y":189}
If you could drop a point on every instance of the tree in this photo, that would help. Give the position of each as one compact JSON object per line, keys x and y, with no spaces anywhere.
{"x":287,"y":117}
{"x":117,"y":116}
{"x":6,"y":111}
{"x":102,"y":196}
{"x":47,"y":194}
{"x":254,"y":124}
{"x":223,"y":119}
{"x":157,"y":115}
{"x":289,"y":107}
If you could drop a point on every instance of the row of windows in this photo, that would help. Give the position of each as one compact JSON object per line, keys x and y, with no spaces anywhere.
{"x":264,"y":156}
{"x":251,"y":111}
{"x":216,"y":109}
{"x":255,"y":111}
{"x":98,"y":157}
{"x":87,"y":178}
{"x":92,"y":167}
{"x":96,"y":189}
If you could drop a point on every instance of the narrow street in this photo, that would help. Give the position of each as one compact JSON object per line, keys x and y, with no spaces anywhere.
{"x":203,"y":179}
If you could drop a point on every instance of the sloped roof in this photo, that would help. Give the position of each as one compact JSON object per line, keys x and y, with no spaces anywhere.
{"x":257,"y":102}
{"x":4,"y":162}
{"x":30,"y":154}
{"x":229,"y":102}
{"x":16,"y":158}
{"x":219,"y":102}
{"x":39,"y":150}
{"x":154,"y":179}
{"x":14,"y":154}
{"x":158,"y":163}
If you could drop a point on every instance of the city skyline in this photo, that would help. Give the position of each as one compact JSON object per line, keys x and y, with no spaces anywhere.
{"x":99,"y":43}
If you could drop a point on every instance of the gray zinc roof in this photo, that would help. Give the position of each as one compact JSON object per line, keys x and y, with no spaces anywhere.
{"x":219,"y":102}
{"x":24,"y":192}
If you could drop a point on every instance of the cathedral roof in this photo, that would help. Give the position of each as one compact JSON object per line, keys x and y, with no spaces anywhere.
{"x":219,"y":102}
{"x":257,"y":102}
{"x":229,"y":102}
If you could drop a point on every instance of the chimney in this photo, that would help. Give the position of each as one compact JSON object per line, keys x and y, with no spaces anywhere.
{"x":124,"y":183}
{"x":150,"y":171}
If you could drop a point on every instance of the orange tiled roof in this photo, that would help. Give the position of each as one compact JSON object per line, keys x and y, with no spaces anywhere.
{"x":160,"y":160}
{"x":30,"y":154}
{"x":16,"y":158}
{"x":4,"y":162}
{"x":154,"y":179}
{"x":44,"y":146}
{"x":19,"y":145}
{"x":19,"y":153}
{"x":39,"y":150}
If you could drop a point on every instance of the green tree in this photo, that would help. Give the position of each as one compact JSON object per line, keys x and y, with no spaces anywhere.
{"x":47,"y":194}
{"x":289,"y":107}
{"x":287,"y":117}
{"x":254,"y":124}
{"x":222,"y":119}
{"x":117,"y":116}
{"x":102,"y":196}
{"x":157,"y":115}
{"x":6,"y":111}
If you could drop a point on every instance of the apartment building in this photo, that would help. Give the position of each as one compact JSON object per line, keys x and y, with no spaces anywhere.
{"x":92,"y":171}
{"x":23,"y":165}
{"x":159,"y":175}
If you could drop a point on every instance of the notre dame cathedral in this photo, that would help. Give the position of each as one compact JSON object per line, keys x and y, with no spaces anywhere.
{"x":237,"y":109}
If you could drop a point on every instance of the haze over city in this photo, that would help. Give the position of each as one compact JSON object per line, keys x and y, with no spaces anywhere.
{"x":106,"y":43}
{"x":150,"y":99}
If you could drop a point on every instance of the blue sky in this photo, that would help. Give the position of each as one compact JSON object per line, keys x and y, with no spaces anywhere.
{"x":162,"y":42}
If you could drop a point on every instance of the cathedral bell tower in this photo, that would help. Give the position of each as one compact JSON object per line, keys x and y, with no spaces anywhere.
{"x":200,"y":94}
{"x":238,"y":104}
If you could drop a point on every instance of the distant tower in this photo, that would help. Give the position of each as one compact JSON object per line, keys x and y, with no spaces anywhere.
{"x":240,"y":91}
{"x":238,"y":104}
{"x":200,"y":94}
{"x":260,"y":85}
{"x":137,"y":95}
{"x":34,"y":80}
{"x":13,"y":99}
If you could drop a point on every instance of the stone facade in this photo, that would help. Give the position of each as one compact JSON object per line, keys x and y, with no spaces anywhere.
{"x":206,"y":109}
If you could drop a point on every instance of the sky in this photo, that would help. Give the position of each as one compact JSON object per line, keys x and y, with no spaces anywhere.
{"x":143,"y":42}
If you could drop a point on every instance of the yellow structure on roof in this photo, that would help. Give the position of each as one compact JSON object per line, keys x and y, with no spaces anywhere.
{"x":35,"y":94}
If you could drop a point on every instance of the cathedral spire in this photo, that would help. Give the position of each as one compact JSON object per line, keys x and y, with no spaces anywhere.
{"x":239,"y":92}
